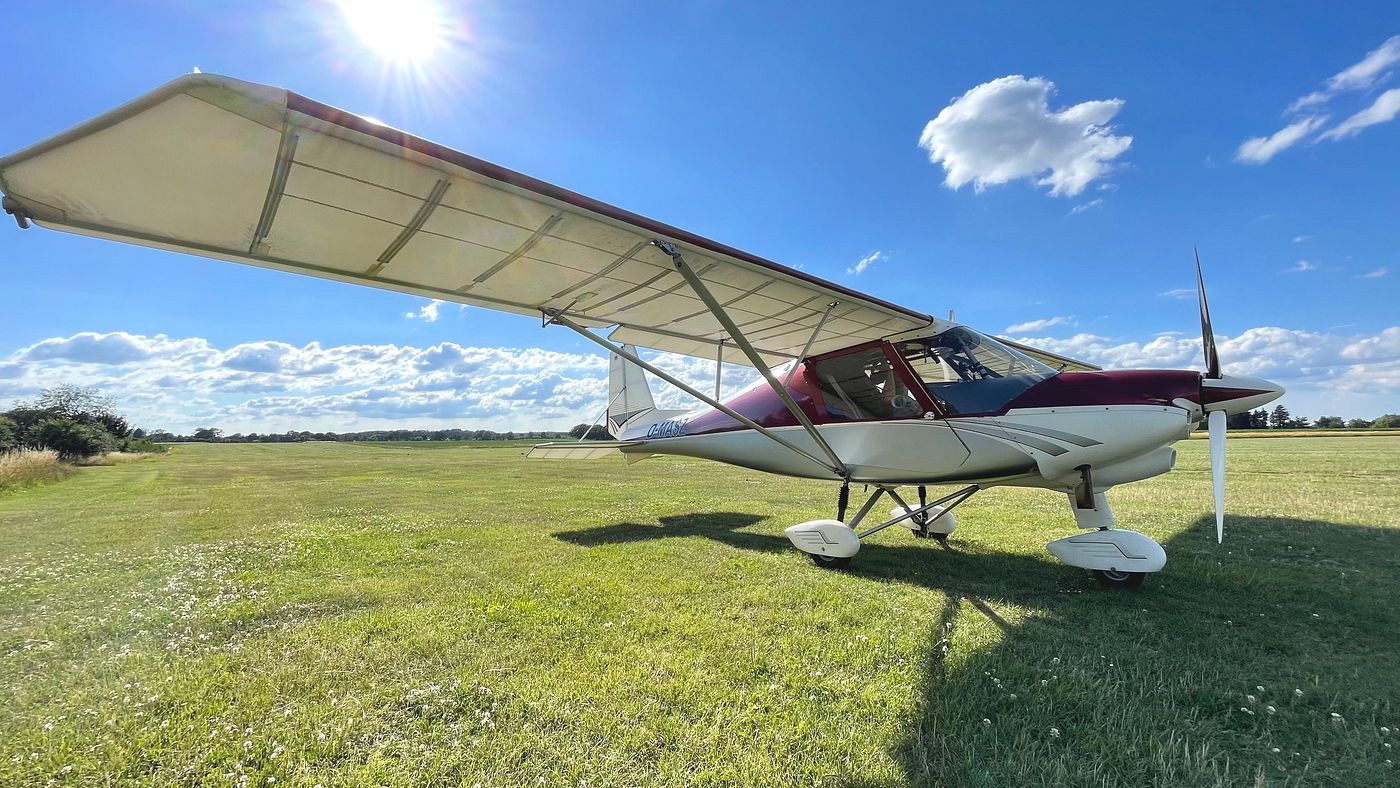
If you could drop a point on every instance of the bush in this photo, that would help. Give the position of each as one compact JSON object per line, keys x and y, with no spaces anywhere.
{"x":142,"y":446}
{"x":1389,"y":421}
{"x":27,"y":466}
{"x":9,"y":434}
{"x":71,"y":440}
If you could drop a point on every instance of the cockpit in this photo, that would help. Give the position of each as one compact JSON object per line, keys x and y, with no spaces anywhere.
{"x":957,"y":371}
{"x":968,"y":372}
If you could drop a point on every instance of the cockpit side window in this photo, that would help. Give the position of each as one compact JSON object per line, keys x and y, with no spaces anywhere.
{"x":863,"y":386}
{"x":967,"y":372}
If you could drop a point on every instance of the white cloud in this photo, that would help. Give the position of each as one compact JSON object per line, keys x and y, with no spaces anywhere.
{"x":1041,"y":325}
{"x":1377,"y":66}
{"x":1004,"y":130}
{"x":1257,"y":150}
{"x":428,"y":313}
{"x":1082,"y":207}
{"x":271,"y":386}
{"x":1299,"y":267}
{"x":1181,"y":293}
{"x":1382,"y":110}
{"x":1376,"y":274}
{"x":1297,"y":239}
{"x":1361,"y":75}
{"x":865,"y":262}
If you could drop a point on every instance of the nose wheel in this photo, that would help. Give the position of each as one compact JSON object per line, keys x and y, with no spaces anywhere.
{"x":1113,"y":578}
{"x":828,"y":562}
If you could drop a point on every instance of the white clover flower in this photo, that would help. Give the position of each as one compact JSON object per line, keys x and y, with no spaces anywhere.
{"x":1298,"y":693}
{"x":1385,"y":731}
{"x":1274,"y":750}
{"x":1251,"y":698}
{"x":1259,"y":689}
{"x":986,"y":721}
{"x":1270,"y":709}
{"x":1246,"y":711}
{"x":1054,"y":733}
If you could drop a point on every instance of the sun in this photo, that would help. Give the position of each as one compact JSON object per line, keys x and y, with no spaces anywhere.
{"x":403,"y":32}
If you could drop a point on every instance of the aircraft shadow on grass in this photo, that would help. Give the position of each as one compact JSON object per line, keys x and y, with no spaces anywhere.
{"x":1213,"y":611}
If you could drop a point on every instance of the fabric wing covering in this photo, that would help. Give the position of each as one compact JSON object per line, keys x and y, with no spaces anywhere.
{"x":233,"y":170}
{"x":222,"y":168}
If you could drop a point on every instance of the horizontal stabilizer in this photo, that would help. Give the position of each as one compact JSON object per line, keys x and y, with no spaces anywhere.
{"x":578,"y":450}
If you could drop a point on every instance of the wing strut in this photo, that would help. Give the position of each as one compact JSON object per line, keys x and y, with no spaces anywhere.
{"x":557,"y":317}
{"x":717,"y":309}
{"x":831,"y":307}
{"x":719,"y":365}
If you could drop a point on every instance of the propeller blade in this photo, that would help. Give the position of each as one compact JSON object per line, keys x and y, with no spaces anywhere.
{"x":1216,"y":424}
{"x":1207,"y":335}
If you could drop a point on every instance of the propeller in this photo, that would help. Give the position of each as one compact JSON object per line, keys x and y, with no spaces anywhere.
{"x":1215,"y":419}
{"x":1207,"y":335}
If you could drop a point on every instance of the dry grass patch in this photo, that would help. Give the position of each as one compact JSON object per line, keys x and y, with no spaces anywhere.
{"x":30,"y":466}
{"x":114,"y":458}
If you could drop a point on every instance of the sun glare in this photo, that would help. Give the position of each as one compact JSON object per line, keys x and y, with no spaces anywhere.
{"x":399,"y":31}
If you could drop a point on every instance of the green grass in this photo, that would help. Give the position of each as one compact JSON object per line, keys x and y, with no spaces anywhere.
{"x":351,"y":614}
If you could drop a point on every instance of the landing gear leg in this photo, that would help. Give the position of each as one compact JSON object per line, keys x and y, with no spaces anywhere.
{"x":832,"y":543}
{"x":1117,"y":558}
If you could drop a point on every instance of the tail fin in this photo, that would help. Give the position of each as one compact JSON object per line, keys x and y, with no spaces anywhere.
{"x":628,"y":393}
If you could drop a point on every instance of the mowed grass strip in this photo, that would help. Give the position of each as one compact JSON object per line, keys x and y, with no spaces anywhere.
{"x":410,"y":614}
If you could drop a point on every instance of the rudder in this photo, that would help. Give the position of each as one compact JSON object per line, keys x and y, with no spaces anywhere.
{"x":629,"y":395}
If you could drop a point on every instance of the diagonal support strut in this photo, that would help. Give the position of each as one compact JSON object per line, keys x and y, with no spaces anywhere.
{"x":555,"y":316}
{"x":738,"y":338}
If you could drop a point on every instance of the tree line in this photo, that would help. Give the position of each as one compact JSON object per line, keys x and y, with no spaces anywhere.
{"x":216,"y":435}
{"x":1280,"y":419}
{"x":75,"y":421}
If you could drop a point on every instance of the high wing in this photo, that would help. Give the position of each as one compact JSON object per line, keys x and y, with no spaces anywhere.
{"x":254,"y":174}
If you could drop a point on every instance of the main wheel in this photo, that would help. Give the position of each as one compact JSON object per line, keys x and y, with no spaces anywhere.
{"x":1116,"y":579}
{"x":830,"y":562}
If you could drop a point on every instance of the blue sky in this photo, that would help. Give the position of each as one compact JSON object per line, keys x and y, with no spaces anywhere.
{"x":790,"y":131}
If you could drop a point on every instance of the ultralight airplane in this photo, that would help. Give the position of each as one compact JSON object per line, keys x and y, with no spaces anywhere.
{"x":853,"y":389}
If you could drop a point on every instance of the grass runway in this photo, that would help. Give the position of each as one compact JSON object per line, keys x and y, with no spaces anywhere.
{"x":449,"y":614}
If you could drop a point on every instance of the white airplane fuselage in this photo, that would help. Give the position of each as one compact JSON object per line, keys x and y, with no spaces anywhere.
{"x":1121,"y":424}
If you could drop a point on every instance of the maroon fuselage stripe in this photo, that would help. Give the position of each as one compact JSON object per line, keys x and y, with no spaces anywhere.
{"x":1067,"y":389}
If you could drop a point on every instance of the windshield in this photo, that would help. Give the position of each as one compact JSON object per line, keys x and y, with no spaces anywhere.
{"x":968,"y":372}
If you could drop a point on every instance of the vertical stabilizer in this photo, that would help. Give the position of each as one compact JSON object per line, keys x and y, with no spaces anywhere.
{"x":628,"y":392}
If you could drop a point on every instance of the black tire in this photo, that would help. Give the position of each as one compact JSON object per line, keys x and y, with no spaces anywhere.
{"x":830,"y":562}
{"x":1114,"y":579}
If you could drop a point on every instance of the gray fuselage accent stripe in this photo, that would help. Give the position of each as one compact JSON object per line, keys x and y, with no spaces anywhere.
{"x":1067,"y":437}
{"x":995,"y":431}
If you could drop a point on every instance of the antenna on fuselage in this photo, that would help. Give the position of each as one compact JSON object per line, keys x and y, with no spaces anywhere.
{"x":952,"y":316}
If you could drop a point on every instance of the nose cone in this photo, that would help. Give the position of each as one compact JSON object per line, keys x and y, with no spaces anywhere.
{"x":1237,"y":393}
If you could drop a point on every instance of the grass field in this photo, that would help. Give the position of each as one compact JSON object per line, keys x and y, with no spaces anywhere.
{"x":352,"y":614}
